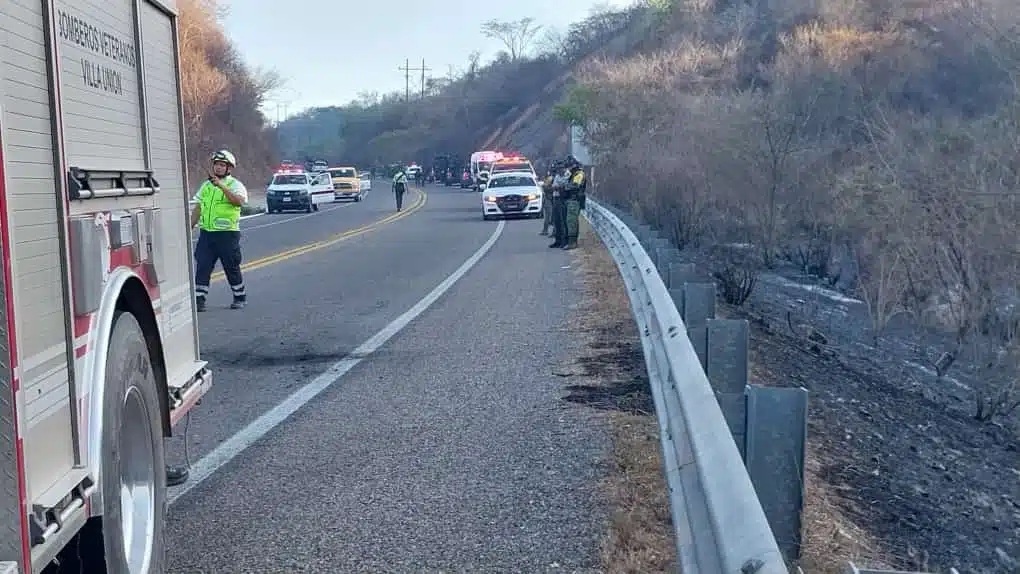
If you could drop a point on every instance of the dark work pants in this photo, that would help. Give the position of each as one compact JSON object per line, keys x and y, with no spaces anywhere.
{"x":399,"y":192}
{"x":224,"y":246}
{"x":560,"y":219}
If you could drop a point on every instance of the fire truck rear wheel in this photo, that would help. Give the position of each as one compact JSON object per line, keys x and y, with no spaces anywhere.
{"x":133,"y":472}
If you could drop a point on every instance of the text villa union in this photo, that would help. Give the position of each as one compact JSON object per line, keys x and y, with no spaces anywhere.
{"x":97,"y":76}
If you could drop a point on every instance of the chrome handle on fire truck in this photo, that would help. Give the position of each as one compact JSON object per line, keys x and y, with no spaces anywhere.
{"x":55,"y":518}
{"x":94,"y":183}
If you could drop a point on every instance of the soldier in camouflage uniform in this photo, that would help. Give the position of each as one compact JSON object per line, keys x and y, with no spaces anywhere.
{"x":559,"y":207}
{"x":547,"y":197}
{"x":574,"y":196}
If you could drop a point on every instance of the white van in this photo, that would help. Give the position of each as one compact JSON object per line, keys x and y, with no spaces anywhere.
{"x":481,"y":161}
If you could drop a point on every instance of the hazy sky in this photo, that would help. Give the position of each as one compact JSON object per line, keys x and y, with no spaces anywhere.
{"x":330,"y":50}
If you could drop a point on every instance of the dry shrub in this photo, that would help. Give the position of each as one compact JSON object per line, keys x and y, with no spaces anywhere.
{"x":871,"y":143}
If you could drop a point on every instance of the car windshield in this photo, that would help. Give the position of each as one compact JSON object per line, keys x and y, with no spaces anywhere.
{"x":512,"y":167}
{"x":512,"y":181}
{"x":484,"y":165}
{"x":290,"y":179}
{"x":341,"y":173}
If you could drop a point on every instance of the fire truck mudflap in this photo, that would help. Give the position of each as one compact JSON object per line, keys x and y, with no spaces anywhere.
{"x":99,"y":350}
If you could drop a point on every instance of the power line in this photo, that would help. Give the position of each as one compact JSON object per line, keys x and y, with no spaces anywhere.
{"x":407,"y":69}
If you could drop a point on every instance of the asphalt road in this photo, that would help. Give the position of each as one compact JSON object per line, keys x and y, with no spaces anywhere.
{"x":355,"y":427}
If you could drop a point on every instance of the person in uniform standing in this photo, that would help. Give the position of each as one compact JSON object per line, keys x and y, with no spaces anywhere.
{"x":217,"y":213}
{"x":576,"y":187}
{"x":399,"y":188}
{"x":559,"y":206}
{"x":547,"y":208}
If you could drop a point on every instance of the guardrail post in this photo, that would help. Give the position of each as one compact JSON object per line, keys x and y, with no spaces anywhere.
{"x":727,"y":370}
{"x":680,"y":273}
{"x":698,"y":308}
{"x":775,"y":447}
{"x":665,"y":255}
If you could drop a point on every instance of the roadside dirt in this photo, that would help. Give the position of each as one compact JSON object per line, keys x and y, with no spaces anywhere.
{"x":612,"y":378}
{"x":897,"y":476}
{"x":893,"y":478}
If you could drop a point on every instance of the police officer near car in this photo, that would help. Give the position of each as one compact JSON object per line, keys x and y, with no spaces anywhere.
{"x":547,"y":196}
{"x":559,"y":206}
{"x":217,"y":213}
{"x":400,"y":187}
{"x":574,"y":198}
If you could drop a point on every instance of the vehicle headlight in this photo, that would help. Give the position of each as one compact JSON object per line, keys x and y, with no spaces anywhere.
{"x":531,"y":196}
{"x":491,"y":199}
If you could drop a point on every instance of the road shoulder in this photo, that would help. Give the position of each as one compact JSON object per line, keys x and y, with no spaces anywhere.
{"x":612,"y":379}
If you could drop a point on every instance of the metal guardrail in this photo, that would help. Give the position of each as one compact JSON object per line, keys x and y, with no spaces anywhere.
{"x":718,"y":520}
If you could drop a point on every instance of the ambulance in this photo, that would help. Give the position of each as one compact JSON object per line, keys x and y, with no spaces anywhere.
{"x":99,"y":349}
{"x":481,"y":162}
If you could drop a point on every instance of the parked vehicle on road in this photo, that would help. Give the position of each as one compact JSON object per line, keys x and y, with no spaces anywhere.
{"x":99,"y":353}
{"x":298,"y":190}
{"x":511,"y":194}
{"x":346,"y":183}
{"x":481,"y":161}
{"x":511,"y":163}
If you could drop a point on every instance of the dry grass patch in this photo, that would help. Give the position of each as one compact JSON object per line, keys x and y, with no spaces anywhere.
{"x":829,"y":538}
{"x":640,"y":535}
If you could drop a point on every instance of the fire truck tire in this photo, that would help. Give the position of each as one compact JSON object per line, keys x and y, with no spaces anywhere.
{"x":133,"y":472}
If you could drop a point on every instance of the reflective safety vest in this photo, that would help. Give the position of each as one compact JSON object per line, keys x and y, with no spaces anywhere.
{"x":217,"y":213}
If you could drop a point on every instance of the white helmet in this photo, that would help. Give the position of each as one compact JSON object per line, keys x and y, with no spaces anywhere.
{"x":224,"y":156}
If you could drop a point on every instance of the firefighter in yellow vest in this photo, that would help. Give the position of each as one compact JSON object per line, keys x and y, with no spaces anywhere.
{"x":217,"y":213}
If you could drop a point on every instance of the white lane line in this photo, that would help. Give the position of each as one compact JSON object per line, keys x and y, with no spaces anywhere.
{"x":258,"y":428}
{"x":244,"y":217}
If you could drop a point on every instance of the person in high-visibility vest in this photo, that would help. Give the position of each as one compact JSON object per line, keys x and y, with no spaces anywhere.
{"x":400,"y":187}
{"x":217,"y":213}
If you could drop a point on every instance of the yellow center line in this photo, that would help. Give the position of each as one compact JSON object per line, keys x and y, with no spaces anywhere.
{"x":330,"y":241}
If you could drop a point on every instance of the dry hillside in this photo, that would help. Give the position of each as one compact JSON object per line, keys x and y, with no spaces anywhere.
{"x":848,"y":170}
{"x":222,"y":96}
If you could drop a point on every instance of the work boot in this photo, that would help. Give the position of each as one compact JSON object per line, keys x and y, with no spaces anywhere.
{"x":556,"y":244}
{"x":176,"y":475}
{"x":238,"y":303}
{"x":200,"y":304}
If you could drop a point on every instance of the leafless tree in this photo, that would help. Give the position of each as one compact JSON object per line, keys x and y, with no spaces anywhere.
{"x":516,"y":35}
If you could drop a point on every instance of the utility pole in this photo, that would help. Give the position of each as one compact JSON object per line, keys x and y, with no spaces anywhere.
{"x":423,"y":68}
{"x":407,"y":69}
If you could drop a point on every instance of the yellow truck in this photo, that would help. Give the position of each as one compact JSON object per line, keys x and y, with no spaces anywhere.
{"x":346,"y":183}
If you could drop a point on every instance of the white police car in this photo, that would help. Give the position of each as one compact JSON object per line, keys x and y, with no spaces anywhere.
{"x":511,"y":194}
